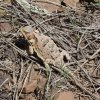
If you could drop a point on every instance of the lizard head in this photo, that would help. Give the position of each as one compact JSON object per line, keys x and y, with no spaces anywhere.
{"x":29,"y":35}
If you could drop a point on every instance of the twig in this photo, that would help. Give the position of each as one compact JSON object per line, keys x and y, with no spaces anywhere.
{"x":4,"y":82}
{"x":97,"y":51}
{"x":25,"y":79}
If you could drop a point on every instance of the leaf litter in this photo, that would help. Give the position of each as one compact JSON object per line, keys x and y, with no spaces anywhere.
{"x":71,"y":35}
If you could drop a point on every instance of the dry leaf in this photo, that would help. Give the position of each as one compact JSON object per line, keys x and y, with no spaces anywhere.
{"x":35,"y":80}
{"x":71,"y":3}
{"x":30,"y":87}
{"x":5,"y":27}
{"x":50,"y":7}
{"x":64,"y":96}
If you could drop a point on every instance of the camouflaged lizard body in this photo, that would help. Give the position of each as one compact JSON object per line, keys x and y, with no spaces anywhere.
{"x":44,"y":46}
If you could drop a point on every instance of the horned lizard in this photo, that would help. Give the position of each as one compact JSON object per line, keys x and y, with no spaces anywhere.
{"x":44,"y":46}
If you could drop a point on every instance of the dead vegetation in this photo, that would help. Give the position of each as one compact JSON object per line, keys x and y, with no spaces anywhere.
{"x":74,"y":30}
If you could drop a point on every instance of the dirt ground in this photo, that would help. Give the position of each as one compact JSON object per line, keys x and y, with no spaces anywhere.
{"x":72,"y":29}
